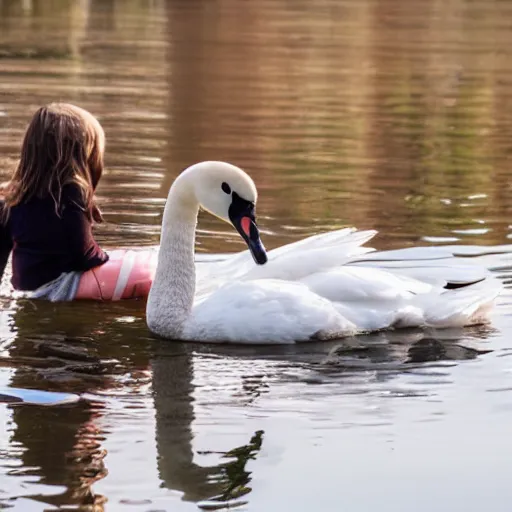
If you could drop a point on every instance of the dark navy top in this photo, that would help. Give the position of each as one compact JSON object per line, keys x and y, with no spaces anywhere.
{"x":44,"y":244}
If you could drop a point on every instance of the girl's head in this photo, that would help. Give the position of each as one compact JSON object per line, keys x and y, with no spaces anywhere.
{"x":63,"y":145}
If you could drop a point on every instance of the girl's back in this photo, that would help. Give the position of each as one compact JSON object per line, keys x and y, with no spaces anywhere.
{"x":47,"y":243}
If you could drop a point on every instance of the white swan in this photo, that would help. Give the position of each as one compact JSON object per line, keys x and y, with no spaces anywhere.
{"x":325,"y":286}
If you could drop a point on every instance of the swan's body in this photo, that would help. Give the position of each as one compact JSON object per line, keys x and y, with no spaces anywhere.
{"x":326,"y":286}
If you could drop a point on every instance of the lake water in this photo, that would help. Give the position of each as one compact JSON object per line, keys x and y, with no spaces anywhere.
{"x":394,"y":115}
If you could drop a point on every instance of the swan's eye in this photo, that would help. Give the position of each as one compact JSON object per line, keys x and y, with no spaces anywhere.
{"x":225,"y":188}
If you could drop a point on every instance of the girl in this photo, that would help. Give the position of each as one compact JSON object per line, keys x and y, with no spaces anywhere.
{"x":48,"y":210}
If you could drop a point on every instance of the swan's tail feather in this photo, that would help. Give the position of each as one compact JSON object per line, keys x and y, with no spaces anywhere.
{"x":464,"y":306}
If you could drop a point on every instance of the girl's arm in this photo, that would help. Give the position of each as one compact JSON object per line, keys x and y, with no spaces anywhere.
{"x":84,"y":248}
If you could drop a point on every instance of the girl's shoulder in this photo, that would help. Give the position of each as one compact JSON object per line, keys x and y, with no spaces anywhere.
{"x":73,"y":196}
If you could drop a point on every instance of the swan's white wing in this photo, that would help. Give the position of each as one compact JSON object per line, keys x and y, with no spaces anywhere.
{"x":296,"y":261}
{"x":370,"y":298}
{"x":347,"y":284}
{"x":448,"y":308}
{"x":345,"y":239}
{"x":329,"y":285}
{"x":265,"y":311}
{"x":456,"y":271}
{"x":410,"y":254}
{"x":438,"y":266}
{"x":316,"y":253}
{"x":325,"y":250}
{"x":376,"y":299}
{"x":289,"y":262}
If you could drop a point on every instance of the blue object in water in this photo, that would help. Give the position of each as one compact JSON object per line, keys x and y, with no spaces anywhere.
{"x":36,"y":397}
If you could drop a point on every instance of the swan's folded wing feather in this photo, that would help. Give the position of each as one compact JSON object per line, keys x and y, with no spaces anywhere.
{"x":457,"y":271}
{"x":342,"y":239}
{"x":289,"y":262}
{"x":346,"y":284}
{"x":318,"y":252}
{"x":410,"y":254}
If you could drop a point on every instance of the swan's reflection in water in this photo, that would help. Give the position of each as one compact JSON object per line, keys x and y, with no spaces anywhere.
{"x":62,"y":453}
{"x":173,"y":391}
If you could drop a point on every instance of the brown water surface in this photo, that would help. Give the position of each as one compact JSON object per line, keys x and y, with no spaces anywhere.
{"x":393,"y":115}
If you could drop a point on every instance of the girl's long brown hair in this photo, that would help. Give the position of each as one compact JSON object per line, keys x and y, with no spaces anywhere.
{"x":63,"y":145}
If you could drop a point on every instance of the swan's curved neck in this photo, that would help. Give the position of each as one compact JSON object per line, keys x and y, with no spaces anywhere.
{"x":172,"y":293}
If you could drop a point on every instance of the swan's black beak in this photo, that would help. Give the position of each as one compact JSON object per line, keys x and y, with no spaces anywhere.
{"x":242,"y":215}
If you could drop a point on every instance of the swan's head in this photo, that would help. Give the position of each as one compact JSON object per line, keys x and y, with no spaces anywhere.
{"x":229,"y":193}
